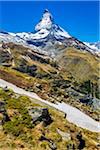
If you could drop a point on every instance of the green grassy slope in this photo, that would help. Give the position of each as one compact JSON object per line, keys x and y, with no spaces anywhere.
{"x":19,"y":133}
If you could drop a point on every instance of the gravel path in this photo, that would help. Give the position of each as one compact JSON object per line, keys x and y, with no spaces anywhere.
{"x":74,"y":115}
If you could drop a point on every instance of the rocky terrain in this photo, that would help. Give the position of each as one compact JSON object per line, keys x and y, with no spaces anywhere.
{"x":29,"y":125}
{"x":58,"y":68}
{"x":50,"y":79}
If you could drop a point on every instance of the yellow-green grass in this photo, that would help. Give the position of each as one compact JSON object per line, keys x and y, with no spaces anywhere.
{"x":20,"y":133}
{"x":81,"y":64}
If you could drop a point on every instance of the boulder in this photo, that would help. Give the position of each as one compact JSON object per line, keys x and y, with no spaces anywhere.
{"x":40,"y":114}
{"x":6,"y":89}
{"x":96,"y":103}
{"x":64,"y":135}
{"x":82,"y":143}
{"x":52,"y":144}
{"x":3,"y":113}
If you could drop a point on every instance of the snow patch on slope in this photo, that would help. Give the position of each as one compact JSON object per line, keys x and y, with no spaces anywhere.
{"x":74,"y":115}
{"x":61,"y":32}
{"x":91,"y":46}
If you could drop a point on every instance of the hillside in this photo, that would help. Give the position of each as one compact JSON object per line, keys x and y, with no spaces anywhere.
{"x":81,"y":64}
{"x":18,"y":130}
{"x":49,"y":90}
{"x":37,"y":72}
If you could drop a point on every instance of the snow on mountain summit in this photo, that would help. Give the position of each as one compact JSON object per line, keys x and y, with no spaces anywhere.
{"x":47,"y":36}
{"x":46,"y":21}
{"x":46,"y":27}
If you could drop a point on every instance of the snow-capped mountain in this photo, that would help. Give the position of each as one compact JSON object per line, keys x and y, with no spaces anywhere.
{"x":8,"y":37}
{"x":48,"y":36}
{"x":46,"y":27}
{"x":95,"y":45}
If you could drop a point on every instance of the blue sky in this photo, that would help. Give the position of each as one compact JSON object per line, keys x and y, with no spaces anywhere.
{"x":80,"y":19}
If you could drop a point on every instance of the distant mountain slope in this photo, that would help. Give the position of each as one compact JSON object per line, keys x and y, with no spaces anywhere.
{"x":95,"y":45}
{"x":82,"y":65}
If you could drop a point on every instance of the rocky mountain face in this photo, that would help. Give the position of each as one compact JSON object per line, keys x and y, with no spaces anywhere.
{"x":5,"y":56}
{"x":62,"y":79}
{"x":52,"y":63}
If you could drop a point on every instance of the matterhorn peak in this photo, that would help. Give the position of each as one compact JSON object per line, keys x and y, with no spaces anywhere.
{"x":45,"y":22}
{"x":46,"y":10}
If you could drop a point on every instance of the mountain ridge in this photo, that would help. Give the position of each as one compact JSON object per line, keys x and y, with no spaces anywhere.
{"x":47,"y":35}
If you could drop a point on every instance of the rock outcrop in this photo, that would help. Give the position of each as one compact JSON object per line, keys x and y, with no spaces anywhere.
{"x":40,"y":114}
{"x":3,"y":113}
{"x":5,"y":55}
